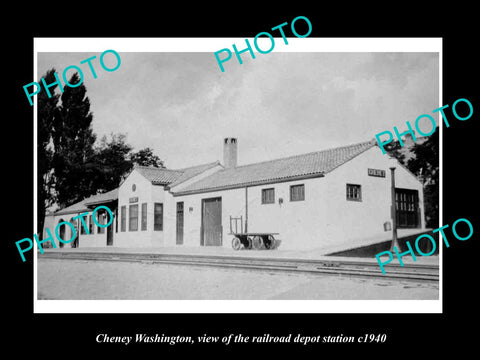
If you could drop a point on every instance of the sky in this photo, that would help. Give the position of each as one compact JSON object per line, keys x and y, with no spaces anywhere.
{"x":279,"y":104}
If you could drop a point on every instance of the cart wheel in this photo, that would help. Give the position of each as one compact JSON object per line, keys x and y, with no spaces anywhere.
{"x":270,"y":243}
{"x":257,"y":242}
{"x":249,"y":243}
{"x":236,"y":243}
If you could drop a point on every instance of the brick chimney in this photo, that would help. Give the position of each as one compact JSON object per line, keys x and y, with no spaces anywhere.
{"x":229,"y":152}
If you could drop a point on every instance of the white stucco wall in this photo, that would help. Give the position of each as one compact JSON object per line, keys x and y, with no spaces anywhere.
{"x":299,"y":223}
{"x":232,"y":204}
{"x":361,"y":221}
{"x":146,"y":193}
{"x":93,"y":239}
{"x":293,"y":220}
{"x":169,"y":219}
{"x":170,"y":210}
{"x":325,"y":219}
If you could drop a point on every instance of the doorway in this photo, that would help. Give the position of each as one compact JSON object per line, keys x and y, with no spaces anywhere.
{"x":110,"y":234}
{"x":407,"y":208}
{"x":180,"y":223}
{"x":211,"y":230}
{"x":61,"y":233}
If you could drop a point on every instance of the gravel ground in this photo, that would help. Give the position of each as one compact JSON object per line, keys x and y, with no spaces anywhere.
{"x":104,"y":280}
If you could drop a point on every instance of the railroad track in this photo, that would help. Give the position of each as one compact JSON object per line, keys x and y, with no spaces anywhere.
{"x":345,"y":267}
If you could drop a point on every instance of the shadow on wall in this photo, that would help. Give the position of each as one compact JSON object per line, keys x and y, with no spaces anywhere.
{"x":371,"y":250}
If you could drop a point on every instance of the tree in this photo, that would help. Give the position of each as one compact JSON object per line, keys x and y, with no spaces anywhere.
{"x":145,"y":157}
{"x":46,"y":110}
{"x":111,"y":162}
{"x":114,"y":160}
{"x":73,"y":140}
{"x":425,"y":162}
{"x":394,"y":149}
{"x":71,"y":165}
{"x":425,"y":165}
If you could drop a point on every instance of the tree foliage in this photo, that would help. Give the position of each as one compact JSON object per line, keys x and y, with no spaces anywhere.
{"x":72,"y":164}
{"x":114,"y":160}
{"x":46,"y":110}
{"x":111,"y":162}
{"x":425,"y":162}
{"x":393,"y":149}
{"x":425,"y":165}
{"x":73,"y":140}
{"x":145,"y":157}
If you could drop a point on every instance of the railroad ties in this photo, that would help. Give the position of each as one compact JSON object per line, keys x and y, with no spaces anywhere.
{"x":340,"y":267}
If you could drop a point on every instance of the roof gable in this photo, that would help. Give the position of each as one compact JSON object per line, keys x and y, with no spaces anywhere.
{"x":158,"y":176}
{"x":162,"y":176}
{"x":188,"y":173}
{"x":311,"y":164}
{"x":85,"y":204}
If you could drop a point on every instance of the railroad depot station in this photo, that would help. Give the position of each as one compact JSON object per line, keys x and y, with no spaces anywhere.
{"x":333,"y":199}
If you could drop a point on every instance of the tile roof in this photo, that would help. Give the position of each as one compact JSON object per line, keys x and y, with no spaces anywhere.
{"x":188,"y":173}
{"x":312,"y":164}
{"x":83,"y":206}
{"x":158,"y":176}
{"x":316,"y":163}
{"x":103,"y":198}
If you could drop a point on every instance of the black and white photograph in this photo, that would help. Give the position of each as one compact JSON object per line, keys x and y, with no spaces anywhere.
{"x":225,"y":185}
{"x":252,"y":184}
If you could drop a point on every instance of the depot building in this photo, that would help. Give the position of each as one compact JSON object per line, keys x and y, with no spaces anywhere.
{"x":330,"y":199}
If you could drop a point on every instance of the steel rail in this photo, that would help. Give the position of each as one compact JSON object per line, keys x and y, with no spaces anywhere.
{"x":416,"y":272}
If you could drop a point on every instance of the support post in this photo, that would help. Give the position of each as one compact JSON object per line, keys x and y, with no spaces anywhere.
{"x":246,"y":209}
{"x":393,"y":212}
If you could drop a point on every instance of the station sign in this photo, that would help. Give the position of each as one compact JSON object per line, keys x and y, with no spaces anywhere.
{"x":376,"y":172}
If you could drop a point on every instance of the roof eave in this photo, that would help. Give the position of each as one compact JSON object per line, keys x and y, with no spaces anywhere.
{"x":163,"y":183}
{"x":66,"y":212}
{"x":107,"y":201}
{"x":248,"y":184}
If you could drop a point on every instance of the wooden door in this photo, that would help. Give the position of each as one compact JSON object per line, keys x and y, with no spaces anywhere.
{"x":212,"y":222}
{"x":180,"y":223}
{"x":110,"y":234}
{"x":407,"y":208}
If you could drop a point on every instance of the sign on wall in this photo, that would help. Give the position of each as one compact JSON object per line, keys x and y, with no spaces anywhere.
{"x":376,"y":172}
{"x":133,"y":199}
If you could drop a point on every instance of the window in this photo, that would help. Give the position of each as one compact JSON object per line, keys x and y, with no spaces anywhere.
{"x":123,"y":220}
{"x":82,"y":228}
{"x":116,"y":220}
{"x":354,"y":192}
{"x":158,"y":217}
{"x":90,"y":224}
{"x":144,"y":216}
{"x":101,"y":220}
{"x":268,"y":196}
{"x":133,"y":218}
{"x":297,"y":192}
